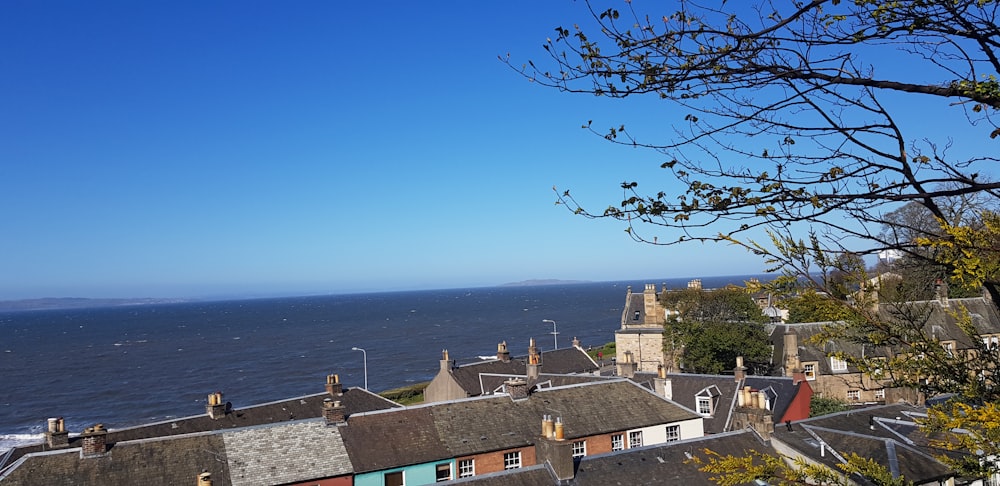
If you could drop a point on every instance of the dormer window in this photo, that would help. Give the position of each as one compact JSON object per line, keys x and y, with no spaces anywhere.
{"x":705,"y":400}
{"x":837,"y":364}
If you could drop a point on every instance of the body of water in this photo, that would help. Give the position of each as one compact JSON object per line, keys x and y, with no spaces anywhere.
{"x":128,"y":365}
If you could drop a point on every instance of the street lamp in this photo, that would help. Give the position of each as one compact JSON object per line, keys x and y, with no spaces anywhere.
{"x":554,"y":333}
{"x":364,"y":354}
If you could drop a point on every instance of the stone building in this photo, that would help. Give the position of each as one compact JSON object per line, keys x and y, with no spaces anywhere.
{"x":641,"y":332}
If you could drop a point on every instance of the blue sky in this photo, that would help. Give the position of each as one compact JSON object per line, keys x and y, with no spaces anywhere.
{"x":185,"y":149}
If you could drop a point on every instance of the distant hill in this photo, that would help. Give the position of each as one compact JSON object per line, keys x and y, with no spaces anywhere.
{"x":76,"y":303}
{"x":549,"y":281}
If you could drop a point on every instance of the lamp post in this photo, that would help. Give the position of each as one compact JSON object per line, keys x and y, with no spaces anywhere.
{"x":554,"y":333}
{"x":364,"y":354}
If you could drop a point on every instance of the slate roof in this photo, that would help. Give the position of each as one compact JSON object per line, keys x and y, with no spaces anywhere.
{"x":269,"y":454}
{"x":444,"y":430}
{"x":661,"y":464}
{"x":355,"y":400}
{"x":937,"y":321}
{"x":559,"y":361}
{"x":685,"y":388}
{"x":884,"y":433}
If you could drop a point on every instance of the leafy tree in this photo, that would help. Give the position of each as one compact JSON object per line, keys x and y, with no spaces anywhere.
{"x":714,"y":346}
{"x":825,"y":405}
{"x":713,"y":327}
{"x":790,"y":123}
{"x":786,"y":113}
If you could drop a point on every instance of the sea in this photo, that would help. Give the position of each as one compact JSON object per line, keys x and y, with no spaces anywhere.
{"x":133,"y":364}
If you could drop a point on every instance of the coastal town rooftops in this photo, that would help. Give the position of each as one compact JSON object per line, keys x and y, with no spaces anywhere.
{"x":559,"y":361}
{"x":354,"y":400}
{"x":938,"y":320}
{"x":886,"y":434}
{"x":720,"y":392}
{"x":268,"y":454}
{"x":379,"y":440}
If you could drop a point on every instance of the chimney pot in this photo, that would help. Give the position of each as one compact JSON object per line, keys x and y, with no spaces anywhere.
{"x":205,"y":479}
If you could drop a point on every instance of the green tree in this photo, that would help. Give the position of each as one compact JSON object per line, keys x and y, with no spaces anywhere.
{"x":713,"y":327}
{"x":791,"y":120}
{"x":714,"y":346}
{"x":824,"y":405}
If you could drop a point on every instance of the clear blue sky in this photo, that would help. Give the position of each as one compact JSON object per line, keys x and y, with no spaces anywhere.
{"x":185,"y":149}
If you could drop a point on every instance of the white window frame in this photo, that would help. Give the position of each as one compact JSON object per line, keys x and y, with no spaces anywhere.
{"x":880,"y":394}
{"x":580,"y":448}
{"x":511,"y":460}
{"x":854,"y":395}
{"x":618,"y":442}
{"x":809,"y":370}
{"x":466,"y":468}
{"x":635,"y":439}
{"x":949,"y":348}
{"x":837,"y":364}
{"x":673,"y":433}
{"x":704,"y":405}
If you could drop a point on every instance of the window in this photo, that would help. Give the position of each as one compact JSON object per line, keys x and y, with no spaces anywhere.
{"x":990,"y":341}
{"x":949,"y":348}
{"x":636,"y":316}
{"x":705,"y":405}
{"x":466,"y":468}
{"x":394,"y":478}
{"x":635,"y":439}
{"x":837,"y":364}
{"x":443,"y":473}
{"x":580,"y":448}
{"x":617,"y":442}
{"x":854,"y":395}
{"x":673,"y":433}
{"x":880,"y":394}
{"x":810,"y":371}
{"x":512,"y":460}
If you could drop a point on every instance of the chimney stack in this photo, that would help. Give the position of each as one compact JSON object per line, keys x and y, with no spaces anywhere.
{"x":95,"y":440}
{"x":791,"y":342}
{"x":662,"y":385}
{"x":215,"y":408}
{"x":556,"y":451}
{"x":447,"y":364}
{"x":740,"y":372}
{"x":333,"y":385}
{"x":516,"y":388}
{"x":56,"y":436}
{"x":334,"y":412}
{"x":502,"y":353}
{"x":941,"y":292}
{"x":534,"y":362}
{"x":576,"y":342}
{"x":626,"y":365}
{"x":205,"y":478}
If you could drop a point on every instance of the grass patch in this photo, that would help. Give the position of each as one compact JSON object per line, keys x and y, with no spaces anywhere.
{"x":407,"y":395}
{"x":608,"y":351}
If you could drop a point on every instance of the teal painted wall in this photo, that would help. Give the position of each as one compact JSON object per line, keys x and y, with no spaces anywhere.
{"x":415,"y":475}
